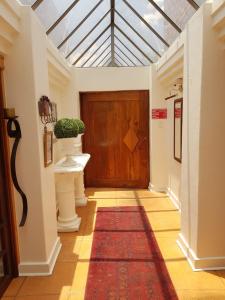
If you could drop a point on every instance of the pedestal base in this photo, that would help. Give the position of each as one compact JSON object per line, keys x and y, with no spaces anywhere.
{"x":70,"y":226}
{"x":81,"y":201}
{"x":80,"y":198}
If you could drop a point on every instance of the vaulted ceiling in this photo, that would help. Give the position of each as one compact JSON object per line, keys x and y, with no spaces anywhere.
{"x":95,"y":33}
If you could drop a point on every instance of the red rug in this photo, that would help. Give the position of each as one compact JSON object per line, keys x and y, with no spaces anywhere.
{"x":126,"y":262}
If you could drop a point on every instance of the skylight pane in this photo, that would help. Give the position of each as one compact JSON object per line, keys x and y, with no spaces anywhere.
{"x":124,"y":57}
{"x":73,"y":18}
{"x":91,"y":51}
{"x":27,"y":2}
{"x":103,"y":58}
{"x":103,"y":62}
{"x":101,"y":54}
{"x":106,"y":62}
{"x":155,"y":19}
{"x":118,"y":63}
{"x":87,"y":26}
{"x":140,"y":27}
{"x":124,"y":48}
{"x":125,"y":51}
{"x":132,"y":48}
{"x":99,"y":51}
{"x":180,"y":11}
{"x":135,"y":38}
{"x":50,"y":10}
{"x":200,"y":2}
{"x":120,"y":60}
{"x":86,"y":45}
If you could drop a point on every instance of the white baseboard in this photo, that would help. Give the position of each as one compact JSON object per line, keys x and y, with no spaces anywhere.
{"x":173,"y":198}
{"x":166,"y":190}
{"x":41,"y":268}
{"x":203,"y":263}
{"x":156,"y":189}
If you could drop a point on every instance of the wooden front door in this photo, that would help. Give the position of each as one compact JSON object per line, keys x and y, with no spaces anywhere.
{"x":117,"y":137}
{"x":8,"y":249}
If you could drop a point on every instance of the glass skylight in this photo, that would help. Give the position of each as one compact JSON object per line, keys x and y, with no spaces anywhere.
{"x":94,"y":33}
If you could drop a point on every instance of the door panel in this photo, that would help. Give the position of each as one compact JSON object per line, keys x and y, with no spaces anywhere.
{"x":8,"y":257}
{"x":117,"y":137}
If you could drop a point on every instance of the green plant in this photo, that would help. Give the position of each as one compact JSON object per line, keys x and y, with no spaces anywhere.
{"x":66,"y":128}
{"x":80,"y":125}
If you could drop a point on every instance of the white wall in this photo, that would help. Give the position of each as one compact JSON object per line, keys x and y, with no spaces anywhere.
{"x":212,"y":145}
{"x":111,"y":79}
{"x":56,"y":94}
{"x":165,"y":170}
{"x":174,"y":167}
{"x":158,"y":140}
{"x":26,"y":80}
{"x":202,"y":228}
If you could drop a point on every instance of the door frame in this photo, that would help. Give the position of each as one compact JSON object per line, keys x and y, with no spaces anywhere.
{"x":10,"y":206}
{"x":149,"y":129}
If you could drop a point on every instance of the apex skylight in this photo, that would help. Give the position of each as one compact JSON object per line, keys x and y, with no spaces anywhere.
{"x":96,"y":33}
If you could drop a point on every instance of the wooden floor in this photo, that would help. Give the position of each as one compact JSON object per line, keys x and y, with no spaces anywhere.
{"x":70,"y":274}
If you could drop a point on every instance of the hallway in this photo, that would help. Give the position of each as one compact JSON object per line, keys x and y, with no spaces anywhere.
{"x":70,"y":274}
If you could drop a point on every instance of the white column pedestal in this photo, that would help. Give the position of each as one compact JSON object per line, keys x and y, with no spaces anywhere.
{"x":70,"y":191}
{"x":68,"y":220}
{"x":80,"y":198}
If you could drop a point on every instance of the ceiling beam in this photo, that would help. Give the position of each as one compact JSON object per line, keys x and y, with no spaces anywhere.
{"x":87,"y":35}
{"x":89,"y":47}
{"x":138,"y":34}
{"x":112,"y":5}
{"x":147,"y":24}
{"x":36,"y":4}
{"x":103,"y":58}
{"x":125,"y":55}
{"x":103,"y":52}
{"x":90,"y":57}
{"x":193,"y":4}
{"x":62,"y":17}
{"x":79,"y":25}
{"x":133,"y":43}
{"x":122,"y":59}
{"x":152,"y":2}
{"x":129,"y":51}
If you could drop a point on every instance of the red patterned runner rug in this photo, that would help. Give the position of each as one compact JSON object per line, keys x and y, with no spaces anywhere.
{"x":126,"y":263}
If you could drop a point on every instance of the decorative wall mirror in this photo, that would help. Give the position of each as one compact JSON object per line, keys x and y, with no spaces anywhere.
{"x":178,"y":120}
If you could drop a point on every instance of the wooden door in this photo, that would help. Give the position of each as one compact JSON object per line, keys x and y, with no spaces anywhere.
{"x":117,"y":137}
{"x":8,"y":249}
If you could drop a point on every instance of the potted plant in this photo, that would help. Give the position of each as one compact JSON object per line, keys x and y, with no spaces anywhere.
{"x":78,"y":142}
{"x":68,"y":130}
{"x":80,"y":125}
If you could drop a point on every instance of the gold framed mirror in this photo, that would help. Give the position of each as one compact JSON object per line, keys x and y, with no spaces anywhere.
{"x":178,"y":121}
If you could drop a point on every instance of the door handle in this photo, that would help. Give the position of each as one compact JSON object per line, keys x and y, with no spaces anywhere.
{"x":16,"y":134}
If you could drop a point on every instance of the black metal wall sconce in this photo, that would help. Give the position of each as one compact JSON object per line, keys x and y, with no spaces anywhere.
{"x":14,"y":131}
{"x":47,"y":110}
{"x":177,"y":88}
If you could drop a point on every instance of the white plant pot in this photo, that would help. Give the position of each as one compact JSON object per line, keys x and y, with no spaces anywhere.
{"x":71,"y":147}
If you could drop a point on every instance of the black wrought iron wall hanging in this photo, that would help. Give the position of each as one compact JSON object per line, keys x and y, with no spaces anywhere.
{"x":47,"y":110}
{"x":14,"y":131}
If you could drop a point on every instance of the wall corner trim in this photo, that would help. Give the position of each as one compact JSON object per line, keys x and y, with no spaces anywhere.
{"x":203,"y":263}
{"x":41,"y":268}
